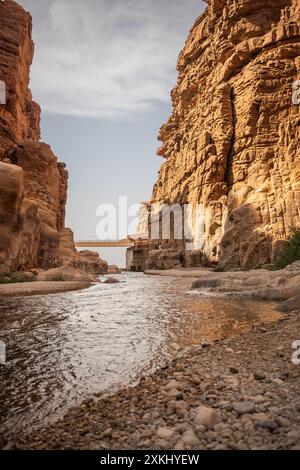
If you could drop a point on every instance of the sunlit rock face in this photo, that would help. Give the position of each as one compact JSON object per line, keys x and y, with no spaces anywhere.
{"x":232,"y":141}
{"x":33,"y":184}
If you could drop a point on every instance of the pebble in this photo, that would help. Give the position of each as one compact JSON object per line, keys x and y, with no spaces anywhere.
{"x":205,"y":416}
{"x":259,"y":399}
{"x":181,"y":407}
{"x":199,"y":429}
{"x":267,"y":425}
{"x":243,"y":407}
{"x":204,"y":387}
{"x":196,"y":380}
{"x":249,"y":427}
{"x":189,"y":438}
{"x":284,"y":422}
{"x":172,"y":385}
{"x":293,"y":436}
{"x":259,"y":377}
{"x":278,"y":381}
{"x":179,"y":445}
{"x":165,"y":433}
{"x":174,"y":393}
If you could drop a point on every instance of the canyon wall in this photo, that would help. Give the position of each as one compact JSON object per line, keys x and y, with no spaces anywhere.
{"x":33,"y":184}
{"x":232,"y":142}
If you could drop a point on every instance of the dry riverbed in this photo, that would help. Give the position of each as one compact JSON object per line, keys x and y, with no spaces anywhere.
{"x":239,"y":393}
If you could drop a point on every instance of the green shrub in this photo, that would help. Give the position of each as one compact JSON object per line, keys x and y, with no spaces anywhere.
{"x":219,"y":269}
{"x":290,"y":253}
{"x":13,"y":278}
{"x":5,"y":279}
{"x":57,"y":278}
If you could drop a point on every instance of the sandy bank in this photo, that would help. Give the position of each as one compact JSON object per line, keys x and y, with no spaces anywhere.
{"x":248,"y":385}
{"x":40,"y":288}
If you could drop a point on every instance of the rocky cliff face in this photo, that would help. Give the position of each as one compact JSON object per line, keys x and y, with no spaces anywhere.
{"x":33,"y":185}
{"x":232,"y":142}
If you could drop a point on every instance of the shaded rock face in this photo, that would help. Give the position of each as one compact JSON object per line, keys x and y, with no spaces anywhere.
{"x":163,"y":259}
{"x":85,"y":260}
{"x":33,"y":184}
{"x":20,"y":117}
{"x":232,"y":141}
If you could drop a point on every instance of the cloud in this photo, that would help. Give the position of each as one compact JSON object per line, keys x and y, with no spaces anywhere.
{"x":107,"y":58}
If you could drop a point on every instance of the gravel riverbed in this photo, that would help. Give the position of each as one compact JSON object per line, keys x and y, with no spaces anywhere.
{"x":238,"y":393}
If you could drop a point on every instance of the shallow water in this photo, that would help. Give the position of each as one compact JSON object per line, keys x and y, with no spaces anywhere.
{"x":64,"y":348}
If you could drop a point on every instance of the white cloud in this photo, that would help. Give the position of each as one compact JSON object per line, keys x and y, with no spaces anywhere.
{"x":107,"y":58}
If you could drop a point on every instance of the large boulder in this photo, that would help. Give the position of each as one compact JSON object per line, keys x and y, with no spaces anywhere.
{"x":111,"y":280}
{"x":290,"y":305}
{"x":91,"y":262}
{"x":292,"y":287}
{"x":113,"y":269}
{"x":85,"y":260}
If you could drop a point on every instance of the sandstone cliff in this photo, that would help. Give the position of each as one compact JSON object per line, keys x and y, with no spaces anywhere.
{"x":33,"y":185}
{"x":232,"y":142}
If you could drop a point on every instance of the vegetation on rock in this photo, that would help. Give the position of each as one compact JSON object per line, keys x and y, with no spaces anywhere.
{"x":290,"y":252}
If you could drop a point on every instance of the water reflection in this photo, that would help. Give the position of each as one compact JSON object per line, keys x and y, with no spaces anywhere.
{"x":64,"y":348}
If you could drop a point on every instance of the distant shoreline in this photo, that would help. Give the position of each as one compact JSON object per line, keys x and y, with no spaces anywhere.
{"x":179,"y":272}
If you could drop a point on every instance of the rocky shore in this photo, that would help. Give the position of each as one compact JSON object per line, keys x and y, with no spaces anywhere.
{"x":237,"y":393}
{"x":258,"y":284}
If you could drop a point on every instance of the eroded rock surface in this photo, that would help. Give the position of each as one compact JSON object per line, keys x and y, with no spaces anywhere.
{"x":259,"y":284}
{"x":33,"y":184}
{"x":232,"y":141}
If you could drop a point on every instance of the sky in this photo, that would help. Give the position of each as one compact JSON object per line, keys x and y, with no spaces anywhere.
{"x":102,"y":73}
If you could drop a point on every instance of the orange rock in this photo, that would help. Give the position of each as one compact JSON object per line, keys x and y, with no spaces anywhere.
{"x":232,"y":141}
{"x":33,"y":184}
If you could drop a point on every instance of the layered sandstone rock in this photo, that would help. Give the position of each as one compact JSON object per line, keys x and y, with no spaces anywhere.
{"x":256,"y":284}
{"x":33,"y":184}
{"x":85,"y":260}
{"x":20,"y":117}
{"x":232,"y":142}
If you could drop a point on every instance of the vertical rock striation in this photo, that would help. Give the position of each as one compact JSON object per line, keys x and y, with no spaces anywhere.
{"x":33,"y":184}
{"x":232,"y":142}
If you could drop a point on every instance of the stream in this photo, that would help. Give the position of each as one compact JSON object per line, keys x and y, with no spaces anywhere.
{"x":65,"y":348}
